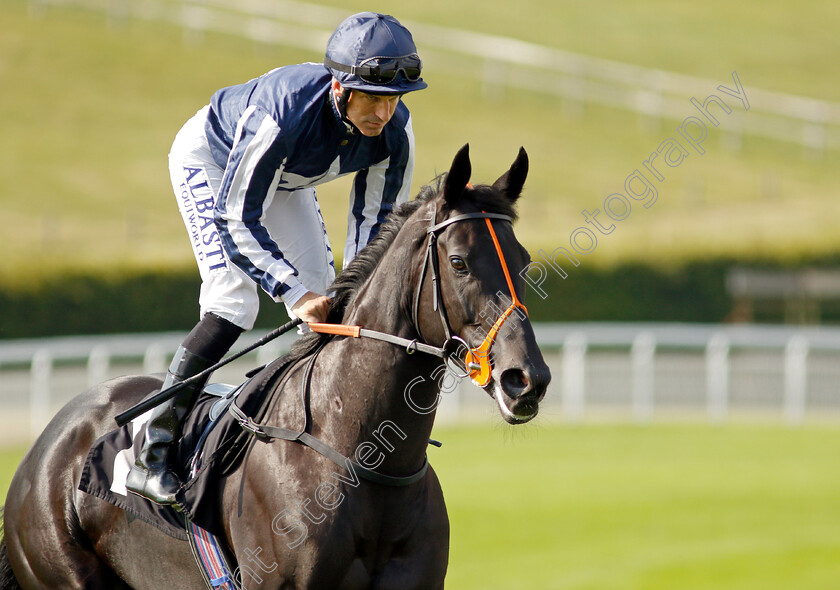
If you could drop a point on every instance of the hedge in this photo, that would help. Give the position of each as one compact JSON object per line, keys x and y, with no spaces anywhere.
{"x":151,"y":301}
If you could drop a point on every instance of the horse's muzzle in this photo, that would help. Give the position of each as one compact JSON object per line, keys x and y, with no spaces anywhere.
{"x":521,"y":384}
{"x":519,"y":392}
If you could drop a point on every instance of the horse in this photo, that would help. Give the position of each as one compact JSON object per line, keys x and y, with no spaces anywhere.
{"x":292,"y":518}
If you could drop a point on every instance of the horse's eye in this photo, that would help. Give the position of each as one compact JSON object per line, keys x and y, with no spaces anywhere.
{"x":458,"y":263}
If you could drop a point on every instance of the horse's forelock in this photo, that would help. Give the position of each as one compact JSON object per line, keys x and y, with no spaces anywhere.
{"x":490,"y":200}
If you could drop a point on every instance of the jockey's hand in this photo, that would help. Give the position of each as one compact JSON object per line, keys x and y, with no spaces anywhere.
{"x":312,"y":308}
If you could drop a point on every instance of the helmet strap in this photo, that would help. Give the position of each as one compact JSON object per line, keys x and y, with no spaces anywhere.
{"x":341,"y":105}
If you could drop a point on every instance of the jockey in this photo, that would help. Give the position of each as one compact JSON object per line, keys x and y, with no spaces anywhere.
{"x":244,"y":171}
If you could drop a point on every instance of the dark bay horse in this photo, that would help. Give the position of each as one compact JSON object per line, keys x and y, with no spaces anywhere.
{"x":293,"y":518}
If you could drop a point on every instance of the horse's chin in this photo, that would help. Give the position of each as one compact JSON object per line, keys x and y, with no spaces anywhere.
{"x":513,"y":411}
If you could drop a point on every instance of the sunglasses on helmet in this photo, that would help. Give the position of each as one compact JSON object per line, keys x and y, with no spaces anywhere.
{"x":382,"y":70}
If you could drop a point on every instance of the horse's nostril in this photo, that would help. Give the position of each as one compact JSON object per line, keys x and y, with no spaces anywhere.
{"x":515,"y":382}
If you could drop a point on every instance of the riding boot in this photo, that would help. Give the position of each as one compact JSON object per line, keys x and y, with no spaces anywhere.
{"x":151,"y":476}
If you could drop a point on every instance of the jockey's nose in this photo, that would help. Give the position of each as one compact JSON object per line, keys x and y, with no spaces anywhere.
{"x":384,"y":109}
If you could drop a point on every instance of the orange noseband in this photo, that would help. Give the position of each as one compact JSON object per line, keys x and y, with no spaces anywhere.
{"x":478,"y":359}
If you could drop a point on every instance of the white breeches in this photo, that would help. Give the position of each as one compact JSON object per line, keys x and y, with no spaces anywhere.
{"x":293,"y":219}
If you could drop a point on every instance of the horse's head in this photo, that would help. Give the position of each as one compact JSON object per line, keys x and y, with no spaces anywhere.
{"x":470,"y":293}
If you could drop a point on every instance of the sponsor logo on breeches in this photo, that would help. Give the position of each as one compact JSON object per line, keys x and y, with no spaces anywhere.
{"x":198,"y":206}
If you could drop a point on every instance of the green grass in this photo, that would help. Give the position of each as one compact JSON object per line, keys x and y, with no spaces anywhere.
{"x":663,"y":507}
{"x":89,"y":112}
{"x":614,"y":507}
{"x":9,"y":460}
{"x":785,"y":47}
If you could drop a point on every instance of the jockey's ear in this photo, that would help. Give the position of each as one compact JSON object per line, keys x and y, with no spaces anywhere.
{"x":458,"y":177}
{"x":511,"y":182}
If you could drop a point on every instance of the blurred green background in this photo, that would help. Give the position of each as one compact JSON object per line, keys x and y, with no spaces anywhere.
{"x":92,"y":242}
{"x":90,"y":106}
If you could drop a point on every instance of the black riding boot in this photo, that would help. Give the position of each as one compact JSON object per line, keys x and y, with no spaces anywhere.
{"x":151,"y":476}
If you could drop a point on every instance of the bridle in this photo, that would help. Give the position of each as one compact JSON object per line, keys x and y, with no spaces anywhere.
{"x":476,"y":361}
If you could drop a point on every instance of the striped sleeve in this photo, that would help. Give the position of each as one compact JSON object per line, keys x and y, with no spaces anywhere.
{"x":376,"y":190}
{"x":251,"y":177}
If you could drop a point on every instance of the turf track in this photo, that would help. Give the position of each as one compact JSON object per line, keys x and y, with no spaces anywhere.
{"x":661,"y":507}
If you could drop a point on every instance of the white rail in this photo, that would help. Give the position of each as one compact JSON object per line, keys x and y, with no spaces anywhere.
{"x":58,"y":368}
{"x":502,"y":62}
{"x":641,"y":369}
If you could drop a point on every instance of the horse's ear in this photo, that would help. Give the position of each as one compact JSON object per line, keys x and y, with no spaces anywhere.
{"x":458,"y":176}
{"x":512,"y":181}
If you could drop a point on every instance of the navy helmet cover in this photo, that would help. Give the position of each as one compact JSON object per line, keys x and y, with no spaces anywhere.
{"x":367,"y":35}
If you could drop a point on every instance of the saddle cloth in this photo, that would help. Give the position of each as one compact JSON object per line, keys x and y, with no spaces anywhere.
{"x":211,"y":446}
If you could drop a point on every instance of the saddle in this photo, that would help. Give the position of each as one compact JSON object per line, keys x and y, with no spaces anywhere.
{"x":212,"y":445}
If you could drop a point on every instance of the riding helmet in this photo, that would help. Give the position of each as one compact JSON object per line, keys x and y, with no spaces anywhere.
{"x":374,"y":53}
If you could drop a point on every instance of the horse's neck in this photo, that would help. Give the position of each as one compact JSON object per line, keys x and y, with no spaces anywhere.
{"x":370,"y":391}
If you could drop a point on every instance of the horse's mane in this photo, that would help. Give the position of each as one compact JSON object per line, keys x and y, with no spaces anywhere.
{"x":349,"y":281}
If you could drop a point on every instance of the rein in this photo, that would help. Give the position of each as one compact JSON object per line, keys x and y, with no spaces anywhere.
{"x":411,"y":346}
{"x":476,"y":360}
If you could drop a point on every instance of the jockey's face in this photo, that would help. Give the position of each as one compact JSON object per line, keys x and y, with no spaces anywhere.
{"x":369,"y":112}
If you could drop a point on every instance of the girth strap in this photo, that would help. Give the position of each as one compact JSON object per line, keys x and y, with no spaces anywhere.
{"x":266,"y":432}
